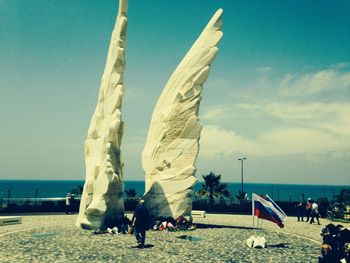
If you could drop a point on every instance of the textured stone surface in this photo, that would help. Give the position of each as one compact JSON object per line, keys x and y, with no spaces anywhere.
{"x":223,"y":239}
{"x":102,"y":199}
{"x":173,"y":139}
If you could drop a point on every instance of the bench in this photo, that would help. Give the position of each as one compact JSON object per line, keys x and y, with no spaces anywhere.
{"x":198,"y":213}
{"x":10,"y":220}
{"x":347,"y":215}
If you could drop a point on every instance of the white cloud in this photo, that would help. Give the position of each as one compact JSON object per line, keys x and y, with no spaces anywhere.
{"x":287,"y":128}
{"x":332,"y":79}
{"x":263,"y":70}
{"x":287,"y":123}
{"x":293,"y":141}
{"x":217,"y":141}
{"x":214,"y":112}
{"x":308,"y":142}
{"x":329,"y":117}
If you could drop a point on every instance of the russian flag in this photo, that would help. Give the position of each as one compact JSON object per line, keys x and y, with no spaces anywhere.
{"x":265,"y":209}
{"x":279,"y":211}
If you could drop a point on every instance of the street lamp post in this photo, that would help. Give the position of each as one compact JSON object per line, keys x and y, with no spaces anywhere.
{"x":242,"y":159}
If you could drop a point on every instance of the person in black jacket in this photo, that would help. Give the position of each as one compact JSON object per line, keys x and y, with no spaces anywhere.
{"x":327,"y":255}
{"x":299,"y":206}
{"x":140,"y":222}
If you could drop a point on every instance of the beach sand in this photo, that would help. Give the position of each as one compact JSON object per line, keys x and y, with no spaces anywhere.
{"x":54,"y":238}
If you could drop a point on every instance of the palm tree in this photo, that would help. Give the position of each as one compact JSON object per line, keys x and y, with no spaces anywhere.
{"x":131,"y":193}
{"x":344,"y":196}
{"x":212,"y":187}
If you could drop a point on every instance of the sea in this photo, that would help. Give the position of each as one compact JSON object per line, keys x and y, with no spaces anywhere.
{"x":278,"y":192}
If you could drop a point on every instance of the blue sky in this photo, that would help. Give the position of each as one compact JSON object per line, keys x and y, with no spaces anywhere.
{"x":278,"y":92}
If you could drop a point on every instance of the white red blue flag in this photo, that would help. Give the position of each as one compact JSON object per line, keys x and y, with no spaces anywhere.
{"x":267,"y":209}
{"x":280,"y":212}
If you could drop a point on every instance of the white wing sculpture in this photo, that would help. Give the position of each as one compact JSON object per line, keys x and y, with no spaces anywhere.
{"x":173,"y":138}
{"x":102,"y":200}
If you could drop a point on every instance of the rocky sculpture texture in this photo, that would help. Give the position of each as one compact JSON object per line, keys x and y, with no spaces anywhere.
{"x":172,"y":144}
{"x":102,"y":199}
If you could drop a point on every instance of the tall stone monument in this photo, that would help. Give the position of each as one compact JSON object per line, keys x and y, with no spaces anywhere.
{"x":172,"y":144}
{"x":102,"y":200}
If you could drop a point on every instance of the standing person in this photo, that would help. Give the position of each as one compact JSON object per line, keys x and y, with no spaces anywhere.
{"x":308,"y":209}
{"x":346,"y":252}
{"x":72,"y":203}
{"x":140,"y":222}
{"x":68,"y":199}
{"x":299,"y":207}
{"x":314,"y":213}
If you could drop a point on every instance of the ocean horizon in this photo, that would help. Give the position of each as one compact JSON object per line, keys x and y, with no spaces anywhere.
{"x":278,"y":192}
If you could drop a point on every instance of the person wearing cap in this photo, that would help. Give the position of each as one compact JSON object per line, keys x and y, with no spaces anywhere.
{"x":140,"y":223}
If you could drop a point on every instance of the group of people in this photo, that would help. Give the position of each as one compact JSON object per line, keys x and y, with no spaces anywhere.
{"x":141,"y":222}
{"x":310,"y":209}
{"x":336,"y":244}
{"x":182,"y":223}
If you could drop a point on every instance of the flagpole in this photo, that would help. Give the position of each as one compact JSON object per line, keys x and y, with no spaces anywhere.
{"x":253,"y":209}
{"x":266,"y":209}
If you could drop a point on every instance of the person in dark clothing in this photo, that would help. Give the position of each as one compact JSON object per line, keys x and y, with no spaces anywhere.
{"x":343,"y":239}
{"x":329,"y":235}
{"x":300,"y":215}
{"x":140,"y":222}
{"x":346,"y":252}
{"x":327,"y":255}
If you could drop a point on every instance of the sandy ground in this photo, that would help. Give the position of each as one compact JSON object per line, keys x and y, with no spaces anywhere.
{"x":54,"y":238}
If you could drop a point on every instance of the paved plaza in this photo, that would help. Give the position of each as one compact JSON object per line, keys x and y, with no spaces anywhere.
{"x":218,"y":238}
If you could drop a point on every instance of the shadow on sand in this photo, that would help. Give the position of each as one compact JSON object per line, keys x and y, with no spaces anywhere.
{"x":206,"y":226}
{"x":145,"y":246}
{"x":280,"y":245}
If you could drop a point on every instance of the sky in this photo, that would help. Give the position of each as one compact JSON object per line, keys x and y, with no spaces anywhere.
{"x":278,"y":92}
